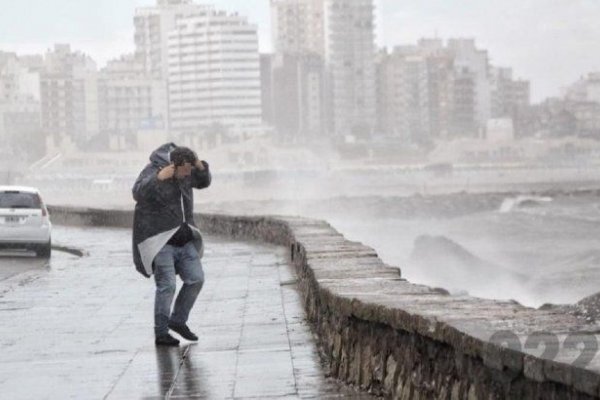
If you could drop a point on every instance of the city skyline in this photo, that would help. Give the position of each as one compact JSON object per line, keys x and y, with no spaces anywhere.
{"x":563,"y":37}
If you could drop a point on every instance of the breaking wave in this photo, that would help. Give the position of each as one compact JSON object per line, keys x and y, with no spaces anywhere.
{"x":443,"y":262}
{"x":511,"y":203}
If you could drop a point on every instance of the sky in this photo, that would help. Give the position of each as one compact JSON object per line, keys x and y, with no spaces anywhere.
{"x":550,"y":42}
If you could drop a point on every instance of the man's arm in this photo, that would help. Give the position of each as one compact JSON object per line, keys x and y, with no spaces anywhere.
{"x":201,"y":176}
{"x":146,"y":184}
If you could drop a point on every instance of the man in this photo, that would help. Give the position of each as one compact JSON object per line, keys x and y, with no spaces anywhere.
{"x":166,"y":241}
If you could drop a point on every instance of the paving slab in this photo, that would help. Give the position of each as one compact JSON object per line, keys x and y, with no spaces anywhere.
{"x":82,"y":328}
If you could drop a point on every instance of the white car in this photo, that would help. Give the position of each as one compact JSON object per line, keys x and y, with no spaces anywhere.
{"x":24,"y":220}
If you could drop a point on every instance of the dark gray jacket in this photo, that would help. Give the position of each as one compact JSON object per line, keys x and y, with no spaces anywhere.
{"x":161,"y":208}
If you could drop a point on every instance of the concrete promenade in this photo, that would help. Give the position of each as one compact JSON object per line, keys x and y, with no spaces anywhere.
{"x":81,"y":328}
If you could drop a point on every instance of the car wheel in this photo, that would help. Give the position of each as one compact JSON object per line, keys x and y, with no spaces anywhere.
{"x":44,"y":251}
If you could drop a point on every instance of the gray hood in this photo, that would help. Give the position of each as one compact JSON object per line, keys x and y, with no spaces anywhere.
{"x":161,"y":157}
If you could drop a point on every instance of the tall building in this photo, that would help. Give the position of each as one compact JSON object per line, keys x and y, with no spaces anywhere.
{"x":510,"y":98}
{"x":266,"y":88}
{"x":583,"y":102}
{"x":152,"y":27}
{"x":464,"y":121}
{"x":507,"y":94}
{"x":473,"y":63}
{"x":214,"y":73}
{"x":404,"y":95}
{"x":440,"y":66}
{"x":298,"y":26}
{"x":129,"y":100}
{"x":20,"y":107}
{"x":297,"y":75}
{"x":69,"y":95}
{"x":442,"y":91}
{"x":18,"y":79}
{"x":415,"y":92}
{"x":298,"y":97}
{"x":350,"y":61}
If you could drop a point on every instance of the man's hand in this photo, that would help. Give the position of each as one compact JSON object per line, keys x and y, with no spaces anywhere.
{"x":167,"y":172}
{"x":199,"y":165}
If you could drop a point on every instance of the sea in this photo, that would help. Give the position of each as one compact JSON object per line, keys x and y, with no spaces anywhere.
{"x":532,"y":249}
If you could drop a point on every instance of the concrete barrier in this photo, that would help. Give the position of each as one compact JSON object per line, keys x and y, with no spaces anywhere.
{"x":407,"y":341}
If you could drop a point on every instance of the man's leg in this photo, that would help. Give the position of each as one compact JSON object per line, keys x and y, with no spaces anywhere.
{"x":190,"y":271}
{"x":164,"y":276}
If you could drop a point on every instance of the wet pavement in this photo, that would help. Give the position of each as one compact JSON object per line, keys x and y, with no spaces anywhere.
{"x":13,"y":263}
{"x":82,"y":327}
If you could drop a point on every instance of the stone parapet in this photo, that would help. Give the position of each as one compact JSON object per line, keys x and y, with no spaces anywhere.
{"x":407,"y":341}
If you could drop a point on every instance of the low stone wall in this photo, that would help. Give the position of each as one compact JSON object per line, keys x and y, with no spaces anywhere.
{"x":407,"y":341}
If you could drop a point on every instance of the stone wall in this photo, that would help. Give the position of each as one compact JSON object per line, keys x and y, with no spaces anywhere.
{"x":402,"y":340}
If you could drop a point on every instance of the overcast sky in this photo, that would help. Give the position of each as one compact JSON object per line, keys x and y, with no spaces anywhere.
{"x":550,"y":42}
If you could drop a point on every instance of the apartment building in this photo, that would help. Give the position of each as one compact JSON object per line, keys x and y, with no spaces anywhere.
{"x":69,"y":95}
{"x":350,"y":62}
{"x":473,"y":63}
{"x":298,"y":93}
{"x":20,"y":126}
{"x":583,"y":103}
{"x":214,"y":73}
{"x":298,"y":26}
{"x":129,"y":99}
{"x":507,"y":94}
{"x":297,"y":75}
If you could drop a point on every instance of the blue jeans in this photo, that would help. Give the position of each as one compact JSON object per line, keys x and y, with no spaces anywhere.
{"x":170,"y":261}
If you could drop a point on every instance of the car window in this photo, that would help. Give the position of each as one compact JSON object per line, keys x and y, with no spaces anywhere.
{"x":19,"y":200}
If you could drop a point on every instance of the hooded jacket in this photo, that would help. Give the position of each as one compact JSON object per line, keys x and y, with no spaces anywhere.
{"x":162,"y":207}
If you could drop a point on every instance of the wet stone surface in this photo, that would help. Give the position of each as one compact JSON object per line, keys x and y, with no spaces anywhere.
{"x":82,"y":328}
